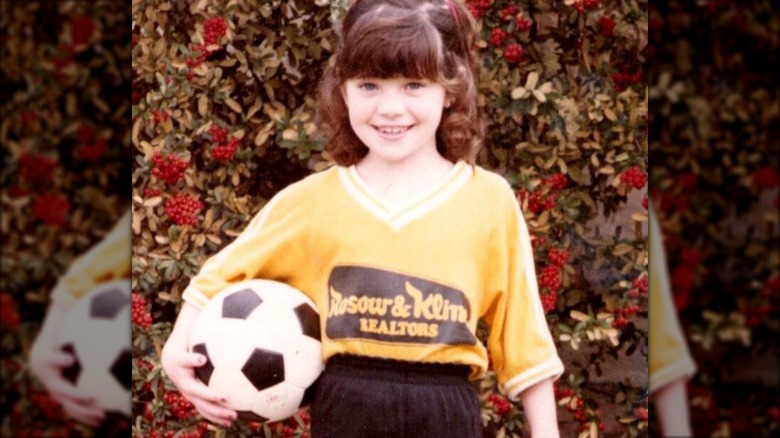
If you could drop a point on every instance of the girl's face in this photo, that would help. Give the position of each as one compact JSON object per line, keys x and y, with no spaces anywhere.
{"x":395,"y":118}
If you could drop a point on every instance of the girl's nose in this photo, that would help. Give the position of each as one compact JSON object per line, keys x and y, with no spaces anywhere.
{"x":390,"y":104}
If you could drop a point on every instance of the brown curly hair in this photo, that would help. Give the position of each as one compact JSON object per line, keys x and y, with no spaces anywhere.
{"x":384,"y":39}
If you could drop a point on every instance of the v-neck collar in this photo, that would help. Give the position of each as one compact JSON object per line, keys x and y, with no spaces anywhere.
{"x":398,"y":216}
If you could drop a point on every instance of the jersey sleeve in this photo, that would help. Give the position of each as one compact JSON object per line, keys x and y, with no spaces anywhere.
{"x":108,"y":260}
{"x":669,"y":356}
{"x":520,"y":342}
{"x":271,"y":247}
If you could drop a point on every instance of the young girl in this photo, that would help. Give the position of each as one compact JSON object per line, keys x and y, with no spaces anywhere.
{"x":407,"y":222}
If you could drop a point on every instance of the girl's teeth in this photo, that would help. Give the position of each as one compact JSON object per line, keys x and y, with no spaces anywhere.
{"x":392,"y":130}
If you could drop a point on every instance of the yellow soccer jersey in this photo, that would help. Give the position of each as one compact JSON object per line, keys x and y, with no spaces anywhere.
{"x":669,"y":356}
{"x":406,"y":283}
{"x":106,"y":261}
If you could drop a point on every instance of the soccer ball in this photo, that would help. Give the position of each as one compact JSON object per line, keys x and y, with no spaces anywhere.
{"x":261,"y":339}
{"x":96,"y":332}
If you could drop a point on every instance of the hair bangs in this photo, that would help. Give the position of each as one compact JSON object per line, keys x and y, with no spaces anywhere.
{"x":387,"y":47}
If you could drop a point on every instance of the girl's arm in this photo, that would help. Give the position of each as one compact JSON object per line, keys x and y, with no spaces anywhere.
{"x":540,"y":409}
{"x":671,"y":404}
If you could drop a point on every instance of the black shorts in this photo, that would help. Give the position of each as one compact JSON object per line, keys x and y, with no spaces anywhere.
{"x":373,"y":398}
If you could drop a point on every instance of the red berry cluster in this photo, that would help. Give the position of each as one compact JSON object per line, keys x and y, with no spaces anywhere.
{"x":478,"y":7}
{"x":92,"y":151}
{"x":549,"y":300}
{"x":537,"y":202}
{"x":537,"y":241}
{"x":64,"y":56}
{"x":81,"y":30}
{"x":85,"y":133}
{"x":183,"y":209}
{"x":169,"y":168}
{"x":178,"y":405}
{"x":497,"y":37}
{"x":622,"y":80}
{"x":159,"y":116}
{"x":218,"y":133}
{"x":50,"y":407}
{"x":224,"y":150}
{"x":556,"y":181}
{"x":758,"y":313}
{"x":140,"y":314}
{"x":9,"y":317}
{"x":523,"y":24}
{"x":634,"y":177}
{"x":36,"y":168}
{"x":514,"y":54}
{"x":638,"y":287}
{"x":576,"y":405}
{"x":644,"y":202}
{"x":28,"y":116}
{"x":771,"y":287}
{"x":214,"y":28}
{"x":151,"y":192}
{"x":641,"y":413}
{"x":51,"y":209}
{"x":606,"y":26}
{"x":586,"y":5}
{"x":764,"y":178}
{"x":508,"y":12}
{"x":558,"y":257}
{"x":18,"y":192}
{"x":500,"y":404}
{"x":550,"y":277}
{"x":198,"y":432}
{"x":622,"y":315}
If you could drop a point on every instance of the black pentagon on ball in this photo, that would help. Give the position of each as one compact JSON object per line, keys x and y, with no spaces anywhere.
{"x":309,"y":320}
{"x":250,"y":416}
{"x":240,"y":304}
{"x":204,"y":371}
{"x":71,"y":372}
{"x":264,"y":368}
{"x":108,"y":304}
{"x":122,"y":368}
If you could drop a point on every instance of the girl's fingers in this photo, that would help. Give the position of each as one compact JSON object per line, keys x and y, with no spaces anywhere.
{"x":216,"y":413}
{"x":63,"y":391}
{"x":58,"y":359}
{"x":200,"y":391}
{"x":192,"y":360}
{"x":89,"y":415}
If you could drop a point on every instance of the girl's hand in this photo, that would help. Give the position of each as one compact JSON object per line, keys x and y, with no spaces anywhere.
{"x":46,"y":364}
{"x":180,"y":367}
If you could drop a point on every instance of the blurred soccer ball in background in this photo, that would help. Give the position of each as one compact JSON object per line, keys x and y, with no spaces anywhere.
{"x":96,"y":332}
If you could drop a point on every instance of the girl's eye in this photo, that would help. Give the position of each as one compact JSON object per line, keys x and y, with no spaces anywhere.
{"x":415,"y":85}
{"x":367,"y":86}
